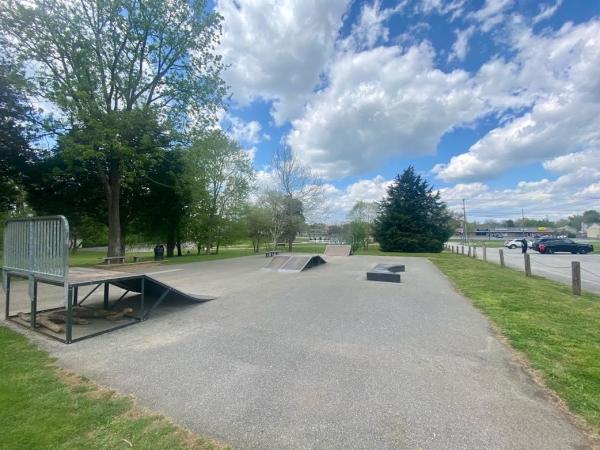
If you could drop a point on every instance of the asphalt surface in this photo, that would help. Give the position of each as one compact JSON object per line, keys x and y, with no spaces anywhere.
{"x":324,"y":359}
{"x":556,"y":266}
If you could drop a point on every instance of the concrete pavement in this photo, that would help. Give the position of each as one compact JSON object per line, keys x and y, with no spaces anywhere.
{"x":325,"y":359}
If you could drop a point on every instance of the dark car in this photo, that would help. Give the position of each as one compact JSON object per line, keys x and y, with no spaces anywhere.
{"x":564,"y":245}
{"x":540,"y":240}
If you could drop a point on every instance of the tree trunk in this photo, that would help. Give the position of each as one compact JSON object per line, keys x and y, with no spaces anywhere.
{"x":208,"y":244}
{"x":170,"y":243}
{"x":290,"y":242}
{"x":113,"y":185}
{"x":178,"y":245}
{"x":218,"y":245}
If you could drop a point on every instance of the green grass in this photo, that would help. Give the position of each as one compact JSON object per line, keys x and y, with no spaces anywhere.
{"x":84,"y":258}
{"x":42,"y":407}
{"x":557,"y":331}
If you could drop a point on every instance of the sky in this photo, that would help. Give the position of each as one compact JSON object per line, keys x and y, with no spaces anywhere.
{"x":496,"y":102}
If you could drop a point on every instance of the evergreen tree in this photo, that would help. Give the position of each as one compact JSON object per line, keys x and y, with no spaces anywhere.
{"x":412,"y":218}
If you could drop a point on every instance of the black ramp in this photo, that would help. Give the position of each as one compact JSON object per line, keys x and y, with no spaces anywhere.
{"x":276,"y":262}
{"x":300,"y":263}
{"x":155,"y":288}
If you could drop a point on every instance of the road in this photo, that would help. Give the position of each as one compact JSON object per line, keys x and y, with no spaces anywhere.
{"x":325,"y":359}
{"x":556,"y":267}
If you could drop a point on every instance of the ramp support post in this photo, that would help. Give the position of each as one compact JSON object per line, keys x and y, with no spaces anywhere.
{"x":88,"y":294}
{"x":142,"y":317}
{"x":7,"y":298}
{"x":106,"y":292}
{"x":69,"y":331}
{"x":158,"y":302}
{"x":33,"y":298}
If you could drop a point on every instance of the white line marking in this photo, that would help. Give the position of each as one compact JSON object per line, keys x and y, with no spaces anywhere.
{"x":162,"y":271}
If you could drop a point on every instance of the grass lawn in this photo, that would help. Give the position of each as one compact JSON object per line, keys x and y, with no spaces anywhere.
{"x":557,"y":331}
{"x":83,"y":258}
{"x":42,"y":407}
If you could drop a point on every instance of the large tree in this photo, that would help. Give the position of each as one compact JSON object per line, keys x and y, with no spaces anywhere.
{"x":303,"y":191}
{"x":16,"y":118}
{"x":221,"y":175}
{"x":98,"y":60}
{"x":412,"y":218}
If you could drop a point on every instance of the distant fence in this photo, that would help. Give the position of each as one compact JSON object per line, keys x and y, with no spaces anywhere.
{"x":472,"y":251}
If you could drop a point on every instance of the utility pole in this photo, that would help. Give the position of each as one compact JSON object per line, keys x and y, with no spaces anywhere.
{"x":465,"y":230}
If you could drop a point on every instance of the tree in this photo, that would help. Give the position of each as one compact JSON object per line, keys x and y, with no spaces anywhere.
{"x":274,"y":203}
{"x":258,"y":224}
{"x":591,"y":216}
{"x":221,"y":176}
{"x":55,"y":187}
{"x":162,"y":206}
{"x":299,"y":185}
{"x":16,"y":118}
{"x":99,"y":60}
{"x":411,"y":217}
{"x":362,"y":215}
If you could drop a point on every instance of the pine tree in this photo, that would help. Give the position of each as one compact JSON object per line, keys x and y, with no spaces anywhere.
{"x":412,"y":218}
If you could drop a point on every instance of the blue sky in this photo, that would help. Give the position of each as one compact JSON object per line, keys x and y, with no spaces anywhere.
{"x":493,"y":101}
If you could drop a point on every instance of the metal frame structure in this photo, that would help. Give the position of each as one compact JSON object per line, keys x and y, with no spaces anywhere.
{"x":37,"y":249}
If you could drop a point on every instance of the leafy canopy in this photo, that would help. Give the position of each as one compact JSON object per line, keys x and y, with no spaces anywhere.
{"x":412,"y":218}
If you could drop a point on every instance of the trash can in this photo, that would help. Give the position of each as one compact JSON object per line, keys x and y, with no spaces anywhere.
{"x":159,"y":252}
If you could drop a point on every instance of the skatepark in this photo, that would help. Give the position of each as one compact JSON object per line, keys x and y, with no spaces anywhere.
{"x":323,"y":358}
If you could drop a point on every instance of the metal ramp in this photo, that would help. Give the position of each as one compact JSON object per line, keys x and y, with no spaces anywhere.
{"x":37,"y":249}
{"x":153,"y":288}
{"x":338,"y":250}
{"x":276,"y":262}
{"x":294,"y":263}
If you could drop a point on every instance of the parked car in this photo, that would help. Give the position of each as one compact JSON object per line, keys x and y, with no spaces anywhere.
{"x":540,"y":240}
{"x":564,"y":245}
{"x":516,"y":243}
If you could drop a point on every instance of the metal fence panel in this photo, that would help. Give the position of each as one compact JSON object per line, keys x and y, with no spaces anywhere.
{"x":37,"y":246}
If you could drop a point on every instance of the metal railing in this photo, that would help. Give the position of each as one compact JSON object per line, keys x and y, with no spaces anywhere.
{"x":37,"y":246}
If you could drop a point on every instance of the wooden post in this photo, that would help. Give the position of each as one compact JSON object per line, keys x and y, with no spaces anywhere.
{"x":527,"y":264}
{"x":462,"y":249}
{"x":501,"y":253}
{"x":475,"y":252}
{"x":484,"y":253}
{"x":469,"y":251}
{"x":576,"y":277}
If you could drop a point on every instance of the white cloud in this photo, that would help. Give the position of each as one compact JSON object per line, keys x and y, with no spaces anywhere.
{"x":574,"y":161}
{"x":560,"y":73}
{"x":242,"y":132}
{"x":366,"y":116}
{"x":461,"y":45}
{"x":491,"y":14}
{"x":278,"y":49}
{"x":453,"y":8}
{"x":569,"y":194}
{"x":547,"y":11}
{"x":339,"y":202}
{"x":370,"y":27}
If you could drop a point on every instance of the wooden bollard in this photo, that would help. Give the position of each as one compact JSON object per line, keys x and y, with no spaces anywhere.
{"x":576,"y":277}
{"x":475,"y":252}
{"x":469,"y":252}
{"x":527,"y":264}
{"x":484,"y":253}
{"x":501,"y":253}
